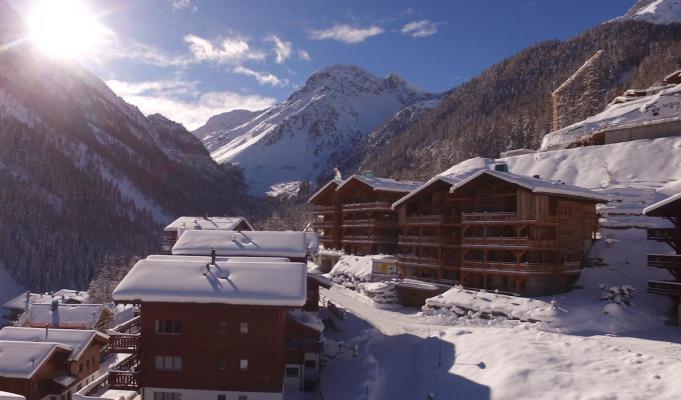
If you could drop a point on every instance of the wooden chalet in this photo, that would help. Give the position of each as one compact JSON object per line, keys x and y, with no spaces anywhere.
{"x":18,"y":305}
{"x":48,"y":363}
{"x":358,"y":215}
{"x":67,"y":316}
{"x":303,"y":348}
{"x":493,"y":229}
{"x":669,"y":209}
{"x":326,"y":216}
{"x":173,"y":231}
{"x":208,"y":330}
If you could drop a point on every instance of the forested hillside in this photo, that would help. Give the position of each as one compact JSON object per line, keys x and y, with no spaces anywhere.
{"x":509,"y":105}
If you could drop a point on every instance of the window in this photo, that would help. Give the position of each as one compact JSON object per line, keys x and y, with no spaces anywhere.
{"x":244,"y":327}
{"x":243,"y":397}
{"x":310,"y":364}
{"x":168,"y":363}
{"x":80,"y":367}
{"x":222,"y":364}
{"x":222,"y":327}
{"x":168,"y":326}
{"x":292,"y":372}
{"x":167,"y":396}
{"x":222,"y":397}
{"x":293,"y":344}
{"x":243,"y":365}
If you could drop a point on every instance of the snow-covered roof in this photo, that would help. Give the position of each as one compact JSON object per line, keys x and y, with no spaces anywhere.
{"x":219,"y":259}
{"x":71,"y":316}
{"x":206,"y":223}
{"x":450,"y":180}
{"x":22,"y":359}
{"x":536,"y":185}
{"x":660,"y":204}
{"x":308,"y":319}
{"x":383,"y":184}
{"x":19,"y":302}
{"x":75,"y":339}
{"x":11,"y":396}
{"x":264,"y":283}
{"x":246,"y":243}
{"x":323,"y":190}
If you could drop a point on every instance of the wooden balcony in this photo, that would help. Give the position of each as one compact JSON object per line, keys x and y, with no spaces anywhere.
{"x":416,"y":261}
{"x":323,"y":224}
{"x":489,"y":217}
{"x":124,"y":343}
{"x":124,"y":375}
{"x":502,"y":241}
{"x":664,"y":234}
{"x":427,"y":220}
{"x":424,"y":241}
{"x":369,"y":223}
{"x":363,"y":207}
{"x":665,"y":288}
{"x":667,"y":261}
{"x":323,"y":210}
{"x":368,"y":239}
{"x":511,"y":267}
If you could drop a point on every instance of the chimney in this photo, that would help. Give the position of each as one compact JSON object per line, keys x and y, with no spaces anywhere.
{"x":47,"y":331}
{"x":536,"y":176}
{"x":55,"y":304}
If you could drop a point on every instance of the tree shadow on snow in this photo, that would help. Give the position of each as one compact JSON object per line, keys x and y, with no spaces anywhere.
{"x":401,"y":366}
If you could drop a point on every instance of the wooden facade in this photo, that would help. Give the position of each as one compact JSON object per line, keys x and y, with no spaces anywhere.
{"x":493,"y":233}
{"x":669,"y":209}
{"x":356,"y":216}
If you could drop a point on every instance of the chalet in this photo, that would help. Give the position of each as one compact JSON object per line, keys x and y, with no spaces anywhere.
{"x":326,"y":216}
{"x":177,"y":227}
{"x":493,"y":229}
{"x":48,"y":363}
{"x":358,"y":213}
{"x":303,"y":348}
{"x":209,"y":330}
{"x":669,"y":209}
{"x":18,"y":305}
{"x":67,"y":316}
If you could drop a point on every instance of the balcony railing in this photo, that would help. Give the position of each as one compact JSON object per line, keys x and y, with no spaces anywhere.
{"x":124,"y":375}
{"x":366,"y":223}
{"x":368,"y":239}
{"x":664,"y":234}
{"x":489,"y":216}
{"x":493,"y":241}
{"x":435,"y":219}
{"x":414,"y":240}
{"x":668,"y":261}
{"x":416,"y":261}
{"x":667,"y":288}
{"x":521,"y":267}
{"x":321,"y":210}
{"x":124,"y":343}
{"x":371,"y":206}
{"x":323,"y":224}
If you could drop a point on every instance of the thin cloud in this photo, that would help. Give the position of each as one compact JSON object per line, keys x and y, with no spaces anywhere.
{"x":282,"y":49}
{"x":263,"y":78}
{"x":144,"y":54}
{"x":225,"y":51}
{"x":181,"y":101}
{"x":420,"y":29}
{"x":303,"y":55}
{"x":180,"y":5}
{"x":346,"y":33}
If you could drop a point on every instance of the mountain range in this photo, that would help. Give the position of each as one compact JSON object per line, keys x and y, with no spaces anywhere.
{"x":85,"y":175}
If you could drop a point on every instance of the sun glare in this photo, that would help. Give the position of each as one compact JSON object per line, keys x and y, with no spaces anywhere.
{"x":65,"y":28}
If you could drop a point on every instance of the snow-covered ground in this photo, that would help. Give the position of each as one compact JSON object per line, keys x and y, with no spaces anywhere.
{"x":401,"y":356}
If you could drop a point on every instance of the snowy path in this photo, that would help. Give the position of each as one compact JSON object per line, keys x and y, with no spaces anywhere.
{"x":397,"y":359}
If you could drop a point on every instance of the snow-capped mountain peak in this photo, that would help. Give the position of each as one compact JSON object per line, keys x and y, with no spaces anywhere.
{"x":655,"y":11}
{"x":304,"y":137}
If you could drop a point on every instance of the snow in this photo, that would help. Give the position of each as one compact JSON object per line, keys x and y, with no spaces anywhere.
{"x":399,"y":350}
{"x":18,"y":303}
{"x":656,"y":11}
{"x":10,"y":396}
{"x":246,"y":243}
{"x":308,"y":319}
{"x":69,"y":316}
{"x":359,"y":267}
{"x":205,"y":223}
{"x":263,"y":283}
{"x":219,"y":259}
{"x":75,"y":339}
{"x":23,"y":359}
{"x":383,"y":184}
{"x":661,"y":106}
{"x":284,"y":190}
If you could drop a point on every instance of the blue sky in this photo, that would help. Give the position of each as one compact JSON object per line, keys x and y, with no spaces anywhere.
{"x":190,"y":59}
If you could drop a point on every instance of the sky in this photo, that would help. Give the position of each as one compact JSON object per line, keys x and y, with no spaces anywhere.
{"x":192,"y":59}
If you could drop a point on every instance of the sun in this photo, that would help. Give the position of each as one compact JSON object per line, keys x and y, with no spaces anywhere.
{"x":65,"y":29}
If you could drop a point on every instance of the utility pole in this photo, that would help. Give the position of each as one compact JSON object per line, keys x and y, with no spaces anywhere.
{"x":439,"y":355}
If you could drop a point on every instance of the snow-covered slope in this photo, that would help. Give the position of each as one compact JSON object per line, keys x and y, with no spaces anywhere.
{"x":635,"y":108}
{"x":308,"y":134}
{"x":224,"y":122}
{"x":655,"y":11}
